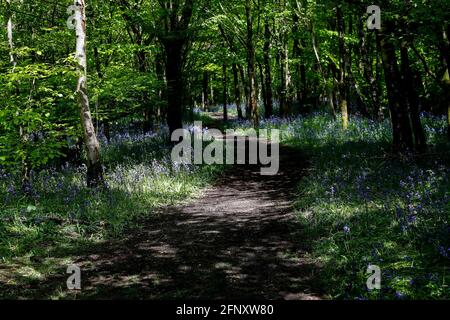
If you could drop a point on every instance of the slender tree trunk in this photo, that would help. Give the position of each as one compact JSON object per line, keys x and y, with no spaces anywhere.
{"x":94,"y":166}
{"x":343,"y":88}
{"x":225,"y":89}
{"x":239,"y":86}
{"x":245,"y":89}
{"x":211,"y":90}
{"x":205,"y":91}
{"x":412,"y":99}
{"x":377,"y":85}
{"x":401,"y":128}
{"x":367,"y":72}
{"x":9,"y":30}
{"x":237,"y":91}
{"x":285,"y":80}
{"x":268,"y":96}
{"x":263,"y":85}
{"x":252,"y":102}
{"x":162,"y":94}
{"x":299,"y":66}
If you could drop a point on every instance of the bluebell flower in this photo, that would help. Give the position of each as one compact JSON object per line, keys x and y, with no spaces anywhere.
{"x":399,"y":295}
{"x":444,"y":251}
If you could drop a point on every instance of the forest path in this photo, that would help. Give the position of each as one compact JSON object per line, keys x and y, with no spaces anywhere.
{"x":240,"y":239}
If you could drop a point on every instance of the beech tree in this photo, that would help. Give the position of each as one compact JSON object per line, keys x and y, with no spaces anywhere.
{"x":176,"y":17}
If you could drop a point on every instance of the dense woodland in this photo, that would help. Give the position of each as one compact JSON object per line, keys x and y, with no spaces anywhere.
{"x":136,"y":70}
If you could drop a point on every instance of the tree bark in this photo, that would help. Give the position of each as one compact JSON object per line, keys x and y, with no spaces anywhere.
{"x":412,"y":99}
{"x":174,"y":83}
{"x":285,"y":109}
{"x":300,"y":68}
{"x":94,"y":166}
{"x":162,"y":92}
{"x":225,"y":89}
{"x":343,"y":88}
{"x":252,"y":99}
{"x":175,"y":39}
{"x":268,"y":96}
{"x":401,"y":128}
{"x":205,"y":92}
{"x":9,"y":30}
{"x":237,"y":91}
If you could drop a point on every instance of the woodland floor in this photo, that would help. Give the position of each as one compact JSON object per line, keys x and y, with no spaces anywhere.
{"x":240,"y":239}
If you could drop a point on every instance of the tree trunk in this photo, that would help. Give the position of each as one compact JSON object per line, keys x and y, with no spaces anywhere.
{"x":252,"y":99}
{"x":205,"y":91}
{"x":268,"y":96}
{"x":174,"y":53}
{"x":245,"y":89}
{"x":225,"y":87}
{"x":412,"y":99}
{"x":94,"y":166}
{"x":367,"y":72}
{"x":343,"y":88}
{"x":401,"y":128}
{"x":285,"y":81}
{"x":176,"y":22}
{"x":300,"y":68}
{"x":378,"y":82}
{"x":237,"y":91}
{"x":162,"y":94}
{"x":9,"y":30}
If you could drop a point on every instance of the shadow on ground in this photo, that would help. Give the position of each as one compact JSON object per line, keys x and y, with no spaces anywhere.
{"x":241,"y":239}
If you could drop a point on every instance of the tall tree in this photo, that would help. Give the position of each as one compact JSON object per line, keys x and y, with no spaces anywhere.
{"x":175,"y":38}
{"x":401,"y":128}
{"x":94,"y":165}
{"x":412,"y":98}
{"x":225,"y":90}
{"x":205,"y":87}
{"x":9,"y":31}
{"x":343,"y":88}
{"x":251,"y":71}
{"x":268,"y":96}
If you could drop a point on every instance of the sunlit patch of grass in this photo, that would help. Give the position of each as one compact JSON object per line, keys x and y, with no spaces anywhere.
{"x":359,"y":205}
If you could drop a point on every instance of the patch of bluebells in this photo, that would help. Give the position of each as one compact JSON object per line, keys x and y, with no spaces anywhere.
{"x":67,"y":180}
{"x":416,"y":199}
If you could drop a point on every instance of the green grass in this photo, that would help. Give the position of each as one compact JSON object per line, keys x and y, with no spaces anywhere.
{"x":361,"y":206}
{"x":42,"y":231}
{"x":358,"y":206}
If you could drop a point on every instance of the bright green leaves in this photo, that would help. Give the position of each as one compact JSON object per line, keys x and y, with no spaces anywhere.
{"x":36,"y":114}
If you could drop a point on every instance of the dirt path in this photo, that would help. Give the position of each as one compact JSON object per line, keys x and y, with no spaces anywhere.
{"x":239,"y":240}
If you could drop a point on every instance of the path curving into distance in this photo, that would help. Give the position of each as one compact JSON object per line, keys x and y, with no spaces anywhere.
{"x":241,"y":239}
